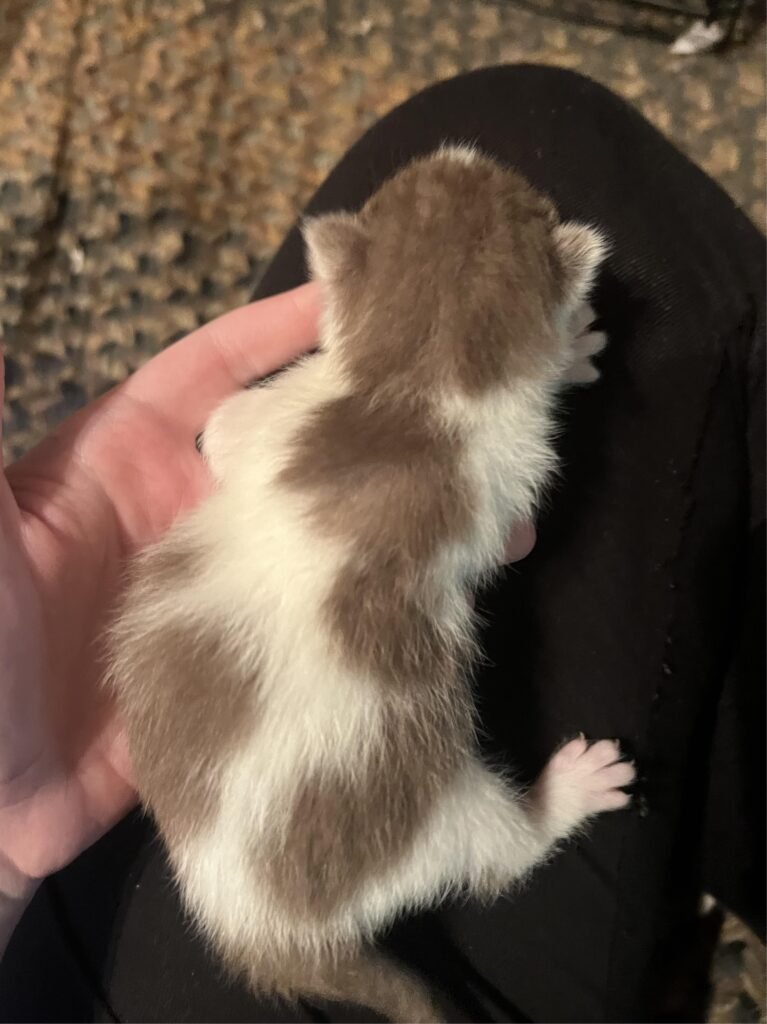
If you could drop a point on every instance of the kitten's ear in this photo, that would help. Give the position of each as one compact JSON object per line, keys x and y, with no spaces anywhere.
{"x":336,"y":245}
{"x":581,"y":250}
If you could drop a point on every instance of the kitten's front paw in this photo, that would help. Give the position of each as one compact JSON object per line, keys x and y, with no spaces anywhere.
{"x":581,"y":369}
{"x":228,"y":429}
{"x":581,"y":319}
{"x":585,"y":344}
{"x":583,"y":779}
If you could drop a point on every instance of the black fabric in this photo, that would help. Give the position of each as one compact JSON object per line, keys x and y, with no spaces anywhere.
{"x":637,"y":616}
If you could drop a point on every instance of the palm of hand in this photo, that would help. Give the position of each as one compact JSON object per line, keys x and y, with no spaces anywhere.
{"x":110,"y":481}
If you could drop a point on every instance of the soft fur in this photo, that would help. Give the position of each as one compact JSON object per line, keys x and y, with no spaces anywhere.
{"x":292,"y":659}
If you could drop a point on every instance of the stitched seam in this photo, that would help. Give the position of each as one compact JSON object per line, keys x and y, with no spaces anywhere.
{"x":665,"y":671}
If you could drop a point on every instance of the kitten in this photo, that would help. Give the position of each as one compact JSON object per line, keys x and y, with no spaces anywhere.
{"x":292,"y":659}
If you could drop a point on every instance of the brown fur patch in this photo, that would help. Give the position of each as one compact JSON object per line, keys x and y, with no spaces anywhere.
{"x":350,"y":826}
{"x":187,"y":699}
{"x":386,"y":478}
{"x":385,"y":474}
{"x":458,"y":282}
{"x":455,"y":288}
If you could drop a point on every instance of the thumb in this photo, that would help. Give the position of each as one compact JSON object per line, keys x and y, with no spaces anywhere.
{"x":9,"y":512}
{"x":2,"y":399}
{"x":190,"y":378}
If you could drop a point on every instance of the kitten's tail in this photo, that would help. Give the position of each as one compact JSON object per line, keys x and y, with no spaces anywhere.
{"x":364,"y":978}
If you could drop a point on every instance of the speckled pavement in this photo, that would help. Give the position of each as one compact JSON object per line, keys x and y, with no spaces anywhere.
{"x":737,"y":976}
{"x":154,"y":152}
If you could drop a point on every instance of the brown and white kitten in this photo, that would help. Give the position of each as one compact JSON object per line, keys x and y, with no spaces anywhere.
{"x":292,"y":659}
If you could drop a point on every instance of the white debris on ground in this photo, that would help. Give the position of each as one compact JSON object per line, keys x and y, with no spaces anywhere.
{"x":700,"y":37}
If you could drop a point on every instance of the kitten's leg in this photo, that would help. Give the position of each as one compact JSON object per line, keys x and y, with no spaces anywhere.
{"x":584,"y":345}
{"x":484,"y":836}
{"x":481,"y":837}
{"x":580,"y":780}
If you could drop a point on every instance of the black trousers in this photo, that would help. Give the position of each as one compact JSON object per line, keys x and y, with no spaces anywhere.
{"x":639,"y":615}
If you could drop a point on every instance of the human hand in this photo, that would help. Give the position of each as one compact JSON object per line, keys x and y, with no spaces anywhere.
{"x":108,"y":482}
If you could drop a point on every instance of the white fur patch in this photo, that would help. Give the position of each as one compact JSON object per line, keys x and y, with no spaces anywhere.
{"x":461,"y":152}
{"x":582,"y":249}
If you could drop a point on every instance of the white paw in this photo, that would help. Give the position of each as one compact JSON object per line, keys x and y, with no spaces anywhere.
{"x":581,"y":780}
{"x":584,"y":345}
{"x":589,"y":344}
{"x":229,"y":428}
{"x":582,"y":317}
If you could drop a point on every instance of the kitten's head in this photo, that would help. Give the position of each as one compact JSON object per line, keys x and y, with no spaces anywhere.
{"x":456,"y":273}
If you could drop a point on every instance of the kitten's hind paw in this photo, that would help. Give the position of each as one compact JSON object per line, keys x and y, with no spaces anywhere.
{"x":583,"y":779}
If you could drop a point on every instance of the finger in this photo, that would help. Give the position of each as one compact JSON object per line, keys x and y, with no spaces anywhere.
{"x":184,"y":384}
{"x":9,"y":513}
{"x":520,"y":543}
{"x":2,"y":401}
{"x":190,"y":378}
{"x":590,"y":344}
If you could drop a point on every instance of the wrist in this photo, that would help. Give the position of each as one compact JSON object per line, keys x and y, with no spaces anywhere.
{"x":12,"y":908}
{"x":16,"y":892}
{"x":15,"y":884}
